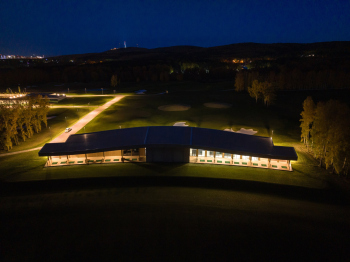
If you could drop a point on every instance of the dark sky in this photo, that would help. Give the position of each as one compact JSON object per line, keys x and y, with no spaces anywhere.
{"x":67,"y":27}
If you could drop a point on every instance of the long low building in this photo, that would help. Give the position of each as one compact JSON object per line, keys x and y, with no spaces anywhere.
{"x":170,"y":144}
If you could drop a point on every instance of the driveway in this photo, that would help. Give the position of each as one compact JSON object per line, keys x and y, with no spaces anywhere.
{"x":75,"y":128}
{"x":84,"y":120}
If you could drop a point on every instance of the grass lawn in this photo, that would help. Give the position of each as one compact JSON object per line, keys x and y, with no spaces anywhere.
{"x":28,"y":166}
{"x":175,"y":212}
{"x":133,"y":111}
{"x":63,"y":117}
{"x":136,"y":111}
{"x":171,"y":221}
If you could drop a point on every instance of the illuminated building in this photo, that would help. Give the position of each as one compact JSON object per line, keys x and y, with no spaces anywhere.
{"x":170,"y":144}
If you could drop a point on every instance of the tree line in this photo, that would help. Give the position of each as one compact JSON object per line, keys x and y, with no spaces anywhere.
{"x":20,"y":119}
{"x":325,"y":130}
{"x":283,"y":75}
{"x":294,"y":78}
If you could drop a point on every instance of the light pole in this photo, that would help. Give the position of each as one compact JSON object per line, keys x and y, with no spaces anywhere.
{"x":102,"y":90}
{"x":65,"y":118}
{"x":50,"y":132}
{"x":68,"y":89}
{"x":85,"y":90}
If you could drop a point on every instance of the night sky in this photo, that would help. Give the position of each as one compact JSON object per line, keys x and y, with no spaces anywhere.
{"x":49,"y":27}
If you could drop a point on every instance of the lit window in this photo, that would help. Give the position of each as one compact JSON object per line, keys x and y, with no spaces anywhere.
{"x":218,"y":155}
{"x":227,"y":155}
{"x":255,"y":158}
{"x":245,"y":157}
{"x":127,"y":152}
{"x":135,"y":152}
{"x":193,"y":152}
{"x":201,"y":152}
{"x":210,"y":153}
{"x":237,"y":156}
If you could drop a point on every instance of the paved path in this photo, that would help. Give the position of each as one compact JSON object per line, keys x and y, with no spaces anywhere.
{"x":23,"y":151}
{"x":76,"y":127}
{"x":88,"y":95}
{"x":84,"y":120}
{"x":71,"y":106}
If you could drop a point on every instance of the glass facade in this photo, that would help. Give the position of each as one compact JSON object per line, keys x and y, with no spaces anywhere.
{"x":218,"y":155}
{"x":193,"y":152}
{"x":227,"y":155}
{"x":201,"y":152}
{"x":127,"y":152}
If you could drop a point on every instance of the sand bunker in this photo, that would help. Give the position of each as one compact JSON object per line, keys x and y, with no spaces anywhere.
{"x":217,"y":105}
{"x":243,"y":131}
{"x":180,"y":124}
{"x":247,"y":131}
{"x":174,"y":107}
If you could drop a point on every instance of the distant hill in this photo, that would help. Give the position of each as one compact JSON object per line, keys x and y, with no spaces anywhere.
{"x":241,"y":50}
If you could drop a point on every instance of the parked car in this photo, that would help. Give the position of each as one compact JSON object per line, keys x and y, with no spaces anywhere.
{"x":68,"y":129}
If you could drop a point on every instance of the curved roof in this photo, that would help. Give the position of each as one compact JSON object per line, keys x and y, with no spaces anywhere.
{"x":170,"y":136}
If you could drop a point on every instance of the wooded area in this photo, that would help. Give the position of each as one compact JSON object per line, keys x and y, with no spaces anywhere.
{"x":294,"y":79}
{"x":325,"y":130}
{"x":20,"y":119}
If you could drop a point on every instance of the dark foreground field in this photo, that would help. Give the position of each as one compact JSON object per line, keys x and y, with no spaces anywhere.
{"x":171,"y":219}
{"x":177,"y":212}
